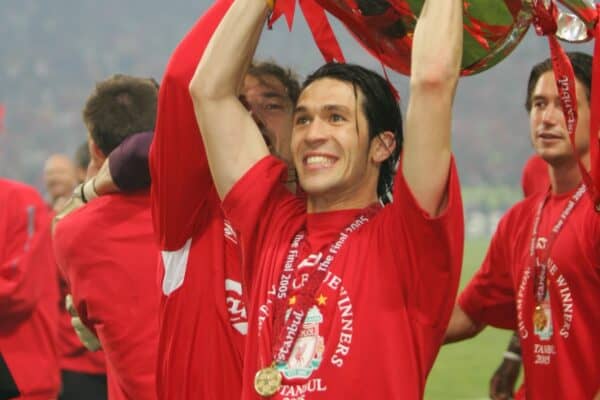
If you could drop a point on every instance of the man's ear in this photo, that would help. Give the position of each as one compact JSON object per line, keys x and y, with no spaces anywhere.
{"x":382,"y":146}
{"x":95,"y":153}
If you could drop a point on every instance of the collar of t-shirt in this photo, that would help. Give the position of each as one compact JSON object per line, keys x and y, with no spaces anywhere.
{"x":325,"y":227}
{"x":559,"y":198}
{"x":553,"y":209}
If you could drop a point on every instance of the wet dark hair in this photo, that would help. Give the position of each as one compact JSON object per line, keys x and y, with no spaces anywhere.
{"x":582,"y":67}
{"x":380,"y":107}
{"x":286,"y":76}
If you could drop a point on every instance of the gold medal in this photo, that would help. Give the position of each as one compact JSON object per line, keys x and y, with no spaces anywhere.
{"x":267,"y":381}
{"x":540,"y":320}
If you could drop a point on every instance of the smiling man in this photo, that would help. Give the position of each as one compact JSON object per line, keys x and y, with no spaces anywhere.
{"x":541,"y":275}
{"x":345,"y":296}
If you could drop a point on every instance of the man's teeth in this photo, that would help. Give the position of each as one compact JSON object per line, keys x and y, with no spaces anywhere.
{"x":318,"y":160}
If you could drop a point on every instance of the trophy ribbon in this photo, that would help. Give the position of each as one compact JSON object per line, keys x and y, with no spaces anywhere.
{"x":546,"y":24}
{"x":595,"y":115}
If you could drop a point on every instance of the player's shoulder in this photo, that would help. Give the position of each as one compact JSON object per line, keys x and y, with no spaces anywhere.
{"x":10,"y":189}
{"x":88,"y":217}
{"x":139,"y":198}
{"x":526,"y":205}
{"x":70,"y":227}
{"x":117,"y":205}
{"x":521,"y":213}
{"x":118,"y":214}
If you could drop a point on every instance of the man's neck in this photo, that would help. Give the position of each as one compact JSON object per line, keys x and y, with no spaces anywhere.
{"x":292,"y":179}
{"x":565,"y":177}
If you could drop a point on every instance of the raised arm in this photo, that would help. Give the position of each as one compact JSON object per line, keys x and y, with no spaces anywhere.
{"x":232,"y":139}
{"x":181,"y":183}
{"x":125,"y":169}
{"x":436,"y":59}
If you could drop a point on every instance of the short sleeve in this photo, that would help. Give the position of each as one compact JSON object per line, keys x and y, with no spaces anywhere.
{"x":427,"y":251}
{"x":489,"y":297}
{"x":257,"y":204}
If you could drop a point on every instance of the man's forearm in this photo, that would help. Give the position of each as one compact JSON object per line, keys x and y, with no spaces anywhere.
{"x":232,"y":139}
{"x":102,"y":183}
{"x":461,"y":327}
{"x":230,"y":50}
{"x":435,"y":67}
{"x":438,"y":42}
{"x":127,"y":166}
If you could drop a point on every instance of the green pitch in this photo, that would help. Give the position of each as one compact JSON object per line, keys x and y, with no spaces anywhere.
{"x":462,"y":370}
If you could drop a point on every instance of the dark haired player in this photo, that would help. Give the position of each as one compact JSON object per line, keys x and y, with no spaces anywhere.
{"x":347,"y":299}
{"x":541,"y":275}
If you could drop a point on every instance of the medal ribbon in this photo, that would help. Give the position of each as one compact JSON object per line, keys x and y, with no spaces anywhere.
{"x":288,"y":330}
{"x":540,"y":263}
{"x":595,"y":113}
{"x":545,"y":25}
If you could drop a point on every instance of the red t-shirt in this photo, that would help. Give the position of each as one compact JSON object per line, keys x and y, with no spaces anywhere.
{"x":534,"y":178}
{"x":108,"y":254}
{"x":203,"y":320}
{"x":379,"y":316}
{"x":560,"y":362}
{"x":28,"y":313}
{"x":73,"y":354}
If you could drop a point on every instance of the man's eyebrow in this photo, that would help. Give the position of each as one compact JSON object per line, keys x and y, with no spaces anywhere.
{"x":336,"y":107}
{"x":300,"y":109}
{"x":326,"y":107}
{"x":273,"y":95}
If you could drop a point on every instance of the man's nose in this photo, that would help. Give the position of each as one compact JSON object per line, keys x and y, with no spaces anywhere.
{"x":552,"y":114}
{"x":315,"y":133}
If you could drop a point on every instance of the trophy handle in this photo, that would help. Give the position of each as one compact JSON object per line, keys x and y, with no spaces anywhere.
{"x":577,"y":24}
{"x":520,"y":28}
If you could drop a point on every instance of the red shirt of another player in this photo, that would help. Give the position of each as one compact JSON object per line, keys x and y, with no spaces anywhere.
{"x":108,"y":253}
{"x":73,"y":354}
{"x":560,"y":360}
{"x":380,"y":315}
{"x":28,"y":293}
{"x":203,"y":319}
